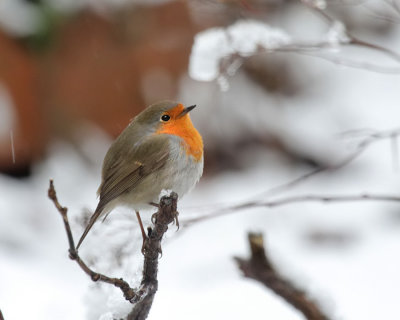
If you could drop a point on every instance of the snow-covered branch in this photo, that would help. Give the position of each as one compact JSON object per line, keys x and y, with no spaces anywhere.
{"x":219,"y":52}
{"x":142,"y":297}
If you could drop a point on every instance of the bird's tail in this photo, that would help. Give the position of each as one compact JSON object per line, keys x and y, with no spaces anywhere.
{"x":93,"y":218}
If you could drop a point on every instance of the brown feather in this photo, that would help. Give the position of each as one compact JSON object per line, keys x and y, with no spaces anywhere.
{"x":123,"y":170}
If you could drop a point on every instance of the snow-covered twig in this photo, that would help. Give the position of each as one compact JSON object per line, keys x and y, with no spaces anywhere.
{"x":259,"y":268}
{"x":141,"y":298}
{"x":218,"y":52}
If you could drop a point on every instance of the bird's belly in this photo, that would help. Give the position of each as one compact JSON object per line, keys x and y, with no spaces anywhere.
{"x":183,"y":175}
{"x":180,"y":174}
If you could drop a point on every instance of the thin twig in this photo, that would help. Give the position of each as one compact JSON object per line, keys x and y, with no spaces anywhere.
{"x":291,"y":200}
{"x":142,"y":298}
{"x":395,"y":152}
{"x":352,"y":40}
{"x":371,"y":138}
{"x":254,"y":201}
{"x":128,"y":292}
{"x":259,"y":268}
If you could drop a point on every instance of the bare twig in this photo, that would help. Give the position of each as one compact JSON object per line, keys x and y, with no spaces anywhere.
{"x":259,"y":268}
{"x":362,"y":65}
{"x":359,"y":149}
{"x":128,"y":292}
{"x":294,"y":199}
{"x":372,"y":137}
{"x":351,"y":39}
{"x":142,"y":298}
{"x":1,"y":316}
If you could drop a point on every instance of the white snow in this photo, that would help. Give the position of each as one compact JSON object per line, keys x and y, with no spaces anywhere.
{"x":243,"y":38}
{"x":356,"y":279}
{"x":337,"y":34}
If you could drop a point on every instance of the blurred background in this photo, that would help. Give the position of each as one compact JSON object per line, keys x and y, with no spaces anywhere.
{"x":74,"y":73}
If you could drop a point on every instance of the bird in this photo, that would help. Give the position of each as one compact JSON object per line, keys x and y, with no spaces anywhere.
{"x":159,"y":150}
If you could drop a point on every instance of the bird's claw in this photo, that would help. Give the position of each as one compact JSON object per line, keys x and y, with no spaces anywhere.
{"x":143,"y":250}
{"x":154,"y":218}
{"x":176,"y":221}
{"x":159,"y":250}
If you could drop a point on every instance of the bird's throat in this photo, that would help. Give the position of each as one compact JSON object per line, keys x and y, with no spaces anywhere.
{"x":191,"y":138}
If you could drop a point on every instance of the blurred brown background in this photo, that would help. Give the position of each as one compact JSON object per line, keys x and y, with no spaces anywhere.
{"x":88,"y":66}
{"x":102,"y":66}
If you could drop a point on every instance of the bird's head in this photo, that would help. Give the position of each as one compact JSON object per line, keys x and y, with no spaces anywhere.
{"x":166,"y":117}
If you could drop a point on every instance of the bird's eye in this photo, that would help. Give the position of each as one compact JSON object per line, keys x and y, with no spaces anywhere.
{"x":165,"y":118}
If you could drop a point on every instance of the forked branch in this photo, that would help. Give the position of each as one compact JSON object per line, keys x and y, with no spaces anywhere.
{"x":142,"y":297}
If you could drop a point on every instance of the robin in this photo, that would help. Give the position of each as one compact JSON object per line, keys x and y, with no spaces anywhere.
{"x":159,"y":150}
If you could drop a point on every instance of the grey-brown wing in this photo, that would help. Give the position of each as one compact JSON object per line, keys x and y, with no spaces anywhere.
{"x":125,"y":171}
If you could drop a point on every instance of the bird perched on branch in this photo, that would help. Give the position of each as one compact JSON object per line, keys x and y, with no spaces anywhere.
{"x":159,"y":150}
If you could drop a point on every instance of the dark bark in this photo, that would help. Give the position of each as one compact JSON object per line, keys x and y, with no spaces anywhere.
{"x":258,"y":267}
{"x":142,"y":297}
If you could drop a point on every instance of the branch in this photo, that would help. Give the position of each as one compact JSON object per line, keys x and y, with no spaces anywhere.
{"x":1,"y":316}
{"x":128,"y":292}
{"x":166,"y":214}
{"x":230,"y":63}
{"x":291,"y":200}
{"x":142,"y":298}
{"x":352,"y":40}
{"x":259,"y":268}
{"x":371,"y":137}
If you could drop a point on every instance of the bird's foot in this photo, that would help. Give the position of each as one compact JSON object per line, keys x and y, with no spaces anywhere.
{"x":154,"y":218}
{"x":176,"y":221}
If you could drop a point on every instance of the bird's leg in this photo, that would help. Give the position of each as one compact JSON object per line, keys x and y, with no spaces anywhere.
{"x":144,"y":236}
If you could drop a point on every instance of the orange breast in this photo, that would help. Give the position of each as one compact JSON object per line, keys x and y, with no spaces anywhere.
{"x":183,"y":128}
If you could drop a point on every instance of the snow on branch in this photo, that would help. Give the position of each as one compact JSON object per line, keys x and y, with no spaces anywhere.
{"x":243,"y":38}
{"x":142,"y":297}
{"x":217,"y":52}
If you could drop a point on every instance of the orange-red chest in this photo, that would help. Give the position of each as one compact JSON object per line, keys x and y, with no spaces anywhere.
{"x":183,"y":128}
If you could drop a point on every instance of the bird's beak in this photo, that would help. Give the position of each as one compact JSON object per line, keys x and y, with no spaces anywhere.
{"x":186,"y":110}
